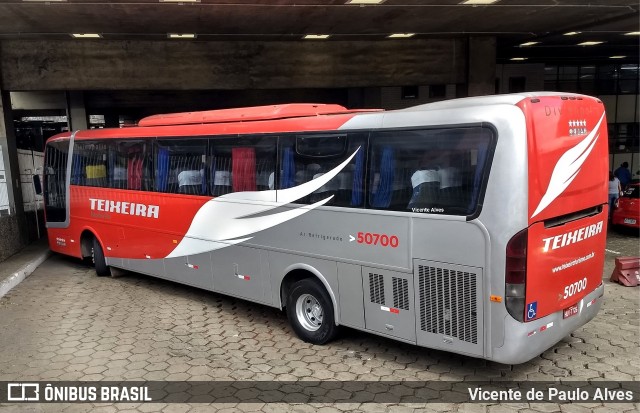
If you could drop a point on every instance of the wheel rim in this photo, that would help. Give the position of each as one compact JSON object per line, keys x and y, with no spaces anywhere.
{"x":309,"y":312}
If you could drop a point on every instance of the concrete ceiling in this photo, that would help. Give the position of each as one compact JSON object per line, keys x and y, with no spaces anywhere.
{"x":511,"y":21}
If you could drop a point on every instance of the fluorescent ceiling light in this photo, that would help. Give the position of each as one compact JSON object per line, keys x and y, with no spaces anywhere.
{"x":632,"y":34}
{"x":617,"y":57}
{"x":181,"y":35}
{"x":571,"y":33}
{"x":316,"y":36}
{"x":478,"y":2}
{"x":589,"y":43}
{"x":519,"y":58}
{"x":86,"y":35}
{"x":179,"y":1}
{"x":400,"y":35}
{"x":529,"y":43}
{"x":365,"y":2}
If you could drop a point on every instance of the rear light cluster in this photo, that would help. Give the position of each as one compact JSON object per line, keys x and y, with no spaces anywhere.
{"x":516,"y":275}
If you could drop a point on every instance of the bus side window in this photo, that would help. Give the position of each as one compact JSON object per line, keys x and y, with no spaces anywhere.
{"x":89,"y":166}
{"x":240,"y":164}
{"x":180,"y":166}
{"x":307,"y":157}
{"x":129,"y":165}
{"x":117,"y":167}
{"x":220,"y":173}
{"x":428,"y":171}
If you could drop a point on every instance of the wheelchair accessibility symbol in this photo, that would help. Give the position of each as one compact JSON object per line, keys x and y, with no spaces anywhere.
{"x":532,"y":310}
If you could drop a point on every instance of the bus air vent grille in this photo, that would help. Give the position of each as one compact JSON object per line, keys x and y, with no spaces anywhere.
{"x":448,"y":303}
{"x":400,"y":293}
{"x":376,"y":288}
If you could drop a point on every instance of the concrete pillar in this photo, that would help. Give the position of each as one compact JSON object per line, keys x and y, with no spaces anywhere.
{"x":481,"y":65}
{"x":76,"y":112}
{"x":10,"y":154}
{"x":13,"y":228}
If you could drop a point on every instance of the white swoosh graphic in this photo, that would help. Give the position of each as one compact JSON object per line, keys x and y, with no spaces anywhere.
{"x":568,"y":167}
{"x":229,"y":219}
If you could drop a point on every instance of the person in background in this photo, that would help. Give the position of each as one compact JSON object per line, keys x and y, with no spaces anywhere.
{"x":623,"y":174}
{"x":614,"y":192}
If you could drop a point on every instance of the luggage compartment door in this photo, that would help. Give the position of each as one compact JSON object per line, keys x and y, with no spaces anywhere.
{"x":449,"y":307}
{"x":388,"y":303}
{"x":242,"y":272}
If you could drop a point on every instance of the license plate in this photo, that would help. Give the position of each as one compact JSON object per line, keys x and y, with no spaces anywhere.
{"x":571,"y":311}
{"x":629,"y":221}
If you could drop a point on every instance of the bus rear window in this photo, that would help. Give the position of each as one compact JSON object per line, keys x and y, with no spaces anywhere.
{"x":436,"y":171}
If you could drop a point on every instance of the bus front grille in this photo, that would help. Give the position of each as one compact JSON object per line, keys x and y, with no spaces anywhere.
{"x":448,"y":303}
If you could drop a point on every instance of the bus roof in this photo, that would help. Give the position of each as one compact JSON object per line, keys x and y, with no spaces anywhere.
{"x":284,"y":118}
{"x":507,"y":99}
{"x":266,"y":119}
{"x":248,"y":114}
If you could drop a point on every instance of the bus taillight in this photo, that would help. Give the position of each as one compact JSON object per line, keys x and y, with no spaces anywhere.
{"x":516,"y":275}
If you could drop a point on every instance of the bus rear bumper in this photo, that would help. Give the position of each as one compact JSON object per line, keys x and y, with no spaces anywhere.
{"x":524,"y":341}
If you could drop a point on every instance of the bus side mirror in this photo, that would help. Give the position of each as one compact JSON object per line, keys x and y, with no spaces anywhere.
{"x":37,"y":185}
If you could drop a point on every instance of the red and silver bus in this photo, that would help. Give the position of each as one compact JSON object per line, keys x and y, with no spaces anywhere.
{"x":475,"y":225}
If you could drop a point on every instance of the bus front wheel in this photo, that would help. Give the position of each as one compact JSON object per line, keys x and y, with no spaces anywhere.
{"x":310,"y":312}
{"x":97,"y":254}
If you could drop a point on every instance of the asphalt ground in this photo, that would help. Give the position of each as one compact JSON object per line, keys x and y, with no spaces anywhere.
{"x":65,"y":324}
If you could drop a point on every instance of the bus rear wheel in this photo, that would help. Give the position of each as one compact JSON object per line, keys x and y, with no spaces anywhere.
{"x":310,"y":312}
{"x":97,"y":255}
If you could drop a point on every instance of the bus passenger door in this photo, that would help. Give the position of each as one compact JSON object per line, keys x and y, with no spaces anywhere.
{"x":242,"y":272}
{"x":449,"y":306}
{"x":388,"y":303}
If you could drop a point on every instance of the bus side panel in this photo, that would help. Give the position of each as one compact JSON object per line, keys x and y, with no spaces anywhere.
{"x":132,"y":224}
{"x":62,"y":241}
{"x":345,"y":233}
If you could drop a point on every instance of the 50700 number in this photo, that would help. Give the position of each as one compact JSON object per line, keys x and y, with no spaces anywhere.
{"x":576,"y":287}
{"x":378,"y":239}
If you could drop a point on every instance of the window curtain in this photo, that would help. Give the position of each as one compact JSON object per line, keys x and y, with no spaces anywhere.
{"x":77,"y":170}
{"x":358,"y":176}
{"x":243,"y":169}
{"x":382,"y":197}
{"x":162,"y":170}
{"x":134,"y":169}
{"x":288,"y":174}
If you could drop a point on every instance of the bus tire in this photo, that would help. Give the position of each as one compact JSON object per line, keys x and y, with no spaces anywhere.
{"x":102,"y":269}
{"x":310,"y":312}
